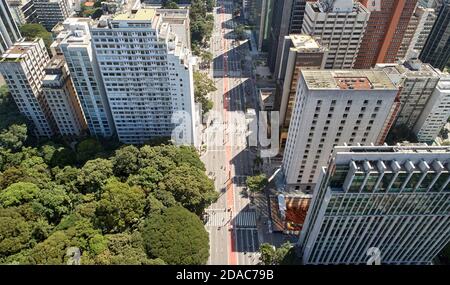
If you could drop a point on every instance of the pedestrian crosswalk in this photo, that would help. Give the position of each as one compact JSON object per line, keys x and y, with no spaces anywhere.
{"x":217,"y":218}
{"x":245,"y":219}
{"x":221,"y":218}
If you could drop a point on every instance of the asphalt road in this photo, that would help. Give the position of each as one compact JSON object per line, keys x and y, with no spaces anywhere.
{"x":231,"y":221}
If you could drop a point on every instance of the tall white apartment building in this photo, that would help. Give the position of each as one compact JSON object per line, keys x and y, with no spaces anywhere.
{"x":417,"y":82}
{"x":436,"y":113}
{"x":62,"y":99}
{"x":9,"y":32}
{"x":22,"y":66}
{"x":148,"y":75}
{"x":393,"y":198}
{"x":75,"y":43}
{"x":340,"y":25}
{"x":424,"y":19}
{"x":51,"y":12}
{"x":335,"y":107}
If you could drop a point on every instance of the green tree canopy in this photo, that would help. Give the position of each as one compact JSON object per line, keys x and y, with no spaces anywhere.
{"x":94,"y":174}
{"x":32,"y":31}
{"x":9,"y":113}
{"x":170,"y":5}
{"x":203,"y":85}
{"x":15,"y":232}
{"x":126,"y":161}
{"x":177,"y":236}
{"x":14,"y":137}
{"x":270,"y":255}
{"x":120,"y":207}
{"x":256,"y":183}
{"x":18,"y":193}
{"x":88,"y":149}
{"x":191,"y":187}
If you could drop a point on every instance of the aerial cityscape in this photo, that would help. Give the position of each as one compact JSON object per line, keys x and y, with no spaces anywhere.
{"x":225,"y":132}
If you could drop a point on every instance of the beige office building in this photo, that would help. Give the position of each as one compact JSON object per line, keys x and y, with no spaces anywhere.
{"x":332,"y":108}
{"x":340,"y":25}
{"x":300,"y":52}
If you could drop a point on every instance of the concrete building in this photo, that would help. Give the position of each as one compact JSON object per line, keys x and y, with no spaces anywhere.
{"x":29,"y":12}
{"x":425,"y":19}
{"x":436,"y":50}
{"x":75,"y":43}
{"x":416,"y":81}
{"x":179,"y":22}
{"x":392,"y":198}
{"x":148,"y":75}
{"x":22,"y":66}
{"x":287,"y":18}
{"x":334,"y":107}
{"x":340,"y":25}
{"x":436,"y":112}
{"x":300,"y":52}
{"x":408,"y":36}
{"x":51,"y":12}
{"x":385,"y":31}
{"x":62,"y":98}
{"x":9,"y":32}
{"x":16,"y":11}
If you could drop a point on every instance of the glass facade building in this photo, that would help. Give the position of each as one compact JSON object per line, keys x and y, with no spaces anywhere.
{"x":436,"y":50}
{"x":396,"y":199}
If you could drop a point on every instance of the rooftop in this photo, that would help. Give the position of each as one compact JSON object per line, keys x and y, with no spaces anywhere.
{"x":143,"y":14}
{"x":305,"y":42}
{"x":411,"y":68}
{"x":348,"y":79}
{"x":19,"y":50}
{"x":400,"y":153}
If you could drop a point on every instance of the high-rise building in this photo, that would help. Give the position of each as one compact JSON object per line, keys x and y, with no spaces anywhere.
{"x":22,"y":66}
{"x":385,"y":31}
{"x":436,"y":50}
{"x":300,"y":52}
{"x":334,"y":107}
{"x":391,"y":198}
{"x":408,"y":36}
{"x":436,"y":112}
{"x":148,"y":75}
{"x":287,"y":18}
{"x":435,"y":4}
{"x":340,"y":25}
{"x":62,"y":99}
{"x":29,"y":12}
{"x":76,"y":45}
{"x":426,"y":17}
{"x":9,"y":33}
{"x":259,"y":15}
{"x":416,"y":81}
{"x":16,"y":11}
{"x":51,"y":12}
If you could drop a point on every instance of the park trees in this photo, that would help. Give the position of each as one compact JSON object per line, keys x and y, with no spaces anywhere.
{"x":120,"y":206}
{"x":177,"y":236}
{"x":190,"y":187}
{"x":13,"y":137}
{"x":94,"y":174}
{"x":100,"y":207}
